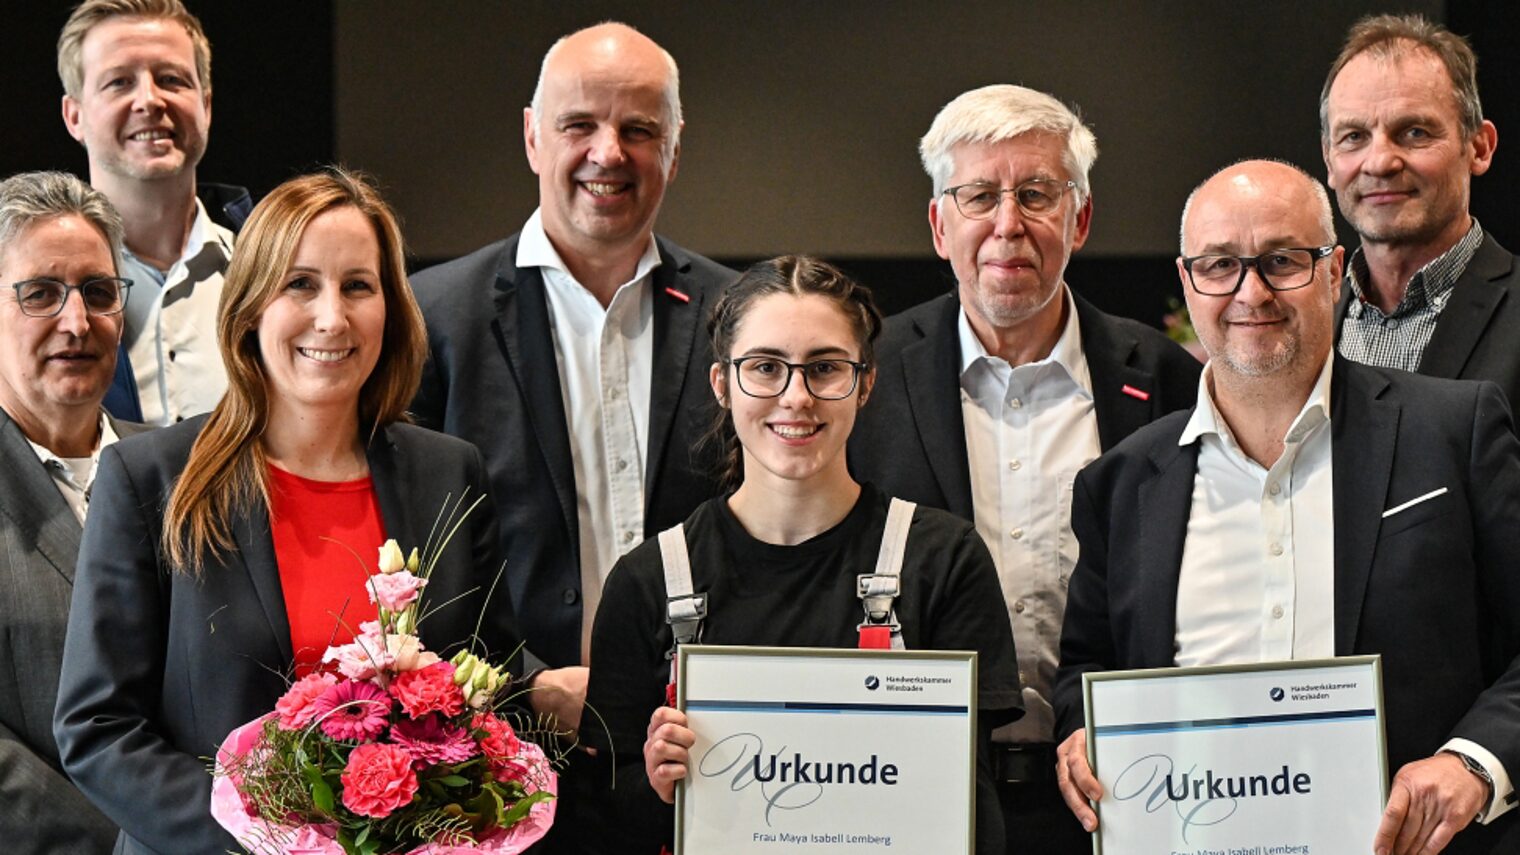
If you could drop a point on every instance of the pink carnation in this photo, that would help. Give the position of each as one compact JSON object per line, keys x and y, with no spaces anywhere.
{"x":353,"y":711}
{"x":499,"y":745}
{"x":367,"y":655}
{"x":295,"y":706}
{"x":394,"y":591}
{"x":429,"y":740}
{"x":428,"y":690}
{"x":378,"y":779}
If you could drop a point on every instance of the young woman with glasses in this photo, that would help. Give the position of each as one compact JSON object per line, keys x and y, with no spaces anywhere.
{"x":778,"y":557}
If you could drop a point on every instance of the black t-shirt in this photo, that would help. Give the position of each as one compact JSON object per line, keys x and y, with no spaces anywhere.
{"x":789,"y":596}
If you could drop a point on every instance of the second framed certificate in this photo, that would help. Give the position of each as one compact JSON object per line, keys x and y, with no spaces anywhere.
{"x":1284,"y":757}
{"x":838,"y":751}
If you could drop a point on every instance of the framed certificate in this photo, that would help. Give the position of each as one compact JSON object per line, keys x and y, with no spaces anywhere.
{"x":1286,"y":757}
{"x":838,"y":751}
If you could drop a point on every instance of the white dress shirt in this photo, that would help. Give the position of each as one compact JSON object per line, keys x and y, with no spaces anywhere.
{"x":74,"y":476}
{"x":605,"y":359}
{"x":1258,"y":567}
{"x":170,"y":325}
{"x":1029,"y":429}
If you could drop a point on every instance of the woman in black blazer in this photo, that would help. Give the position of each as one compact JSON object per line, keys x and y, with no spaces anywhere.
{"x":179,"y":630}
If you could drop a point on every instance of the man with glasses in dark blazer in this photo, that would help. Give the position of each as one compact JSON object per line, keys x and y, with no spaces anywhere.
{"x":990,"y":398}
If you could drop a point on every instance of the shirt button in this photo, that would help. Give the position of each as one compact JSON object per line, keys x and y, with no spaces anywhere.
{"x":1275,"y":549}
{"x":569,"y":596}
{"x":1274,"y":488}
{"x":628,"y":537}
{"x":622,"y":464}
{"x":1014,"y":465}
{"x":1391,"y":323}
{"x":1018,"y":606}
{"x":1277,"y":612}
{"x":1017,"y":534}
{"x":1015,"y":403}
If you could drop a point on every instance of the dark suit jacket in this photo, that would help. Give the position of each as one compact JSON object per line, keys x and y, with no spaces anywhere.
{"x":1433,"y":588}
{"x":158,"y":668}
{"x":492,"y":378}
{"x":1478,"y":334}
{"x":39,"y":540}
{"x":910,"y":439}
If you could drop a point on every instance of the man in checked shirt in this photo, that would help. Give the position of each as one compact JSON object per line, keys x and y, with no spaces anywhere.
{"x":1402,"y":132}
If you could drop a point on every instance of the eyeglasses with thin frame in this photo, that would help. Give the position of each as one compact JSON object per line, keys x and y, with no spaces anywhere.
{"x":824,"y":379}
{"x":45,"y":297}
{"x":1036,"y":197}
{"x":1285,"y":269}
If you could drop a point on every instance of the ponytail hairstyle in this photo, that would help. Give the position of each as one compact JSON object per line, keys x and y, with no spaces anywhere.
{"x":799,"y":276}
{"x":226,"y":472}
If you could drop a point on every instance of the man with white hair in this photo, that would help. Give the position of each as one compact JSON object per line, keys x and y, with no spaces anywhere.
{"x":61,"y":302}
{"x":573,"y":354}
{"x":1310,"y":507}
{"x":990,"y":398}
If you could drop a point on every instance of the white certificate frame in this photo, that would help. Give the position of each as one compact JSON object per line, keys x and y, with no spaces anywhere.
{"x":1337,"y":703}
{"x":847,"y":704}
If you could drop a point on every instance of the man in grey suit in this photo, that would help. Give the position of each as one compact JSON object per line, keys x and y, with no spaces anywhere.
{"x":1403,"y":134}
{"x":59,"y":240}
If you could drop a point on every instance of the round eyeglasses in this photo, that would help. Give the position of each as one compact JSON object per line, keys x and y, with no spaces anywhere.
{"x":1286,"y":269}
{"x":1036,"y":197}
{"x":824,"y":379}
{"x":44,"y":298}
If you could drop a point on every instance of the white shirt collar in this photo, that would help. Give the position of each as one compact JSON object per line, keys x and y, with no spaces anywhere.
{"x":202,"y":230}
{"x":1066,"y":354}
{"x":1206,"y":418}
{"x":535,"y":250}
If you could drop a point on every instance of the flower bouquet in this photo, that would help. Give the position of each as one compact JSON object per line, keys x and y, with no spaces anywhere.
{"x":387,"y":749}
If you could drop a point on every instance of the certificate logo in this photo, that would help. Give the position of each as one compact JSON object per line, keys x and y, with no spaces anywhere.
{"x":873,"y":683}
{"x":1276,"y":693}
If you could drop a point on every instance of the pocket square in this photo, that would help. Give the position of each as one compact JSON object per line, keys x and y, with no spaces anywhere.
{"x":1412,"y":502}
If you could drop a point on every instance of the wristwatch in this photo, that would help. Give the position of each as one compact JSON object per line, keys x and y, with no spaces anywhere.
{"x":1482,"y":774}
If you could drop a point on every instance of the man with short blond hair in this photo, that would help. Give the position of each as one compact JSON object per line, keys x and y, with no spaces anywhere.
{"x":137,"y":95}
{"x":1311,"y":507}
{"x":60,"y":324}
{"x":1403,"y":134}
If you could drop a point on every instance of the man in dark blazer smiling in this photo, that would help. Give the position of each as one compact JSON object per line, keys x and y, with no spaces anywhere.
{"x":988,"y":400}
{"x":574,"y":354}
{"x":1311,"y":507}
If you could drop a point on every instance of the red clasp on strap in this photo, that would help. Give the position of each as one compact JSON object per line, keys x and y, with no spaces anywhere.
{"x":876,"y":638}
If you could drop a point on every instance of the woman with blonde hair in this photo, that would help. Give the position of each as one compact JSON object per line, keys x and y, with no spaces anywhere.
{"x":220,"y":554}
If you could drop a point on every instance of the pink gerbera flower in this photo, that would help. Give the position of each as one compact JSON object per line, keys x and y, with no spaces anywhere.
{"x":430,"y":740}
{"x":353,"y":711}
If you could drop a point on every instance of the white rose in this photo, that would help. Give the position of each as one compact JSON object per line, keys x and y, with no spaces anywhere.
{"x":391,"y":559}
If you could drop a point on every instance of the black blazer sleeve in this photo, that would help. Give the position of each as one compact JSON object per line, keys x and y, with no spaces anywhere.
{"x":111,"y":682}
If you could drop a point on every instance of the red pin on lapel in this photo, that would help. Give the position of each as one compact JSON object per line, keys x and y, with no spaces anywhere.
{"x":679,"y":295}
{"x":1135,"y":393}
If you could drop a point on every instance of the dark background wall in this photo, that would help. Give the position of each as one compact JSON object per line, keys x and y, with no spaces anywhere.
{"x":802,"y":117}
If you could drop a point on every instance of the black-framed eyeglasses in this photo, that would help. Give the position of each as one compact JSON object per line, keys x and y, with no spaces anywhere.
{"x":824,"y":379}
{"x":44,"y":297}
{"x":1285,"y":269}
{"x":1036,"y":197}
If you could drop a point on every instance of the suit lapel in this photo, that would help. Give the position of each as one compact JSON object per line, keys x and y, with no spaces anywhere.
{"x":255,"y":551}
{"x":526,"y":338}
{"x":676,"y":322}
{"x":1474,"y":299}
{"x":1363,"y":432}
{"x":1166,"y":502}
{"x":931,"y":368}
{"x":33,"y":503}
{"x":1108,"y":348}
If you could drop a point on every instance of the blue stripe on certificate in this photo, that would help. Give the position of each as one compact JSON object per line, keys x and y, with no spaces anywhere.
{"x":1240,"y":721}
{"x":809,"y":707}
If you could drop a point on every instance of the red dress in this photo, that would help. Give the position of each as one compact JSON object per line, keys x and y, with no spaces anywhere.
{"x":319,"y":527}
